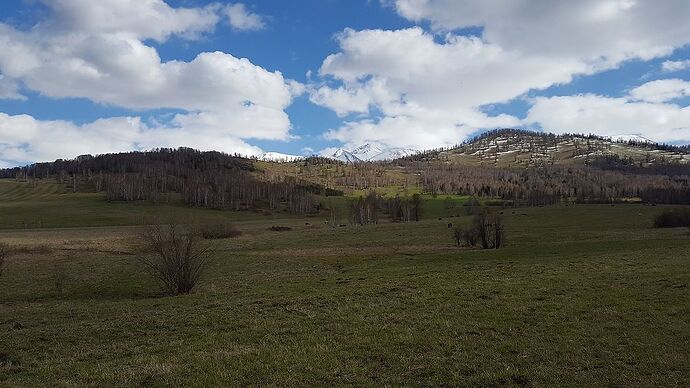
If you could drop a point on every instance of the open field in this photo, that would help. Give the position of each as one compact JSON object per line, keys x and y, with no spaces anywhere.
{"x":586,"y":295}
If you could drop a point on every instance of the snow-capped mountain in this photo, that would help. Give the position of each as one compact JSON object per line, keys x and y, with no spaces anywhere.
{"x":345,"y":156}
{"x":627,"y":138}
{"x":366,"y":152}
{"x":370,"y":153}
{"x":395,"y":153}
{"x":279,"y":157}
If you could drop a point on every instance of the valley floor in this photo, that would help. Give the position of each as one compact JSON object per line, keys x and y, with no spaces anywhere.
{"x":580,"y":296}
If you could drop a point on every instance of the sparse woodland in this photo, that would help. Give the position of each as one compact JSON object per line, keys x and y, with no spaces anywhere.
{"x":222,"y":181}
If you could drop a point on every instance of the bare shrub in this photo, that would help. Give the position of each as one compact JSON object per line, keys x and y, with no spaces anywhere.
{"x":218,"y":230}
{"x":469,"y":237}
{"x":4,"y":254}
{"x":673,"y":218}
{"x":174,"y":256}
{"x":280,"y":228}
{"x":458,"y":232}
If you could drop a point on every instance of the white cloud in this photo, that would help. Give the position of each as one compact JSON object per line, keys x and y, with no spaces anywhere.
{"x":139,"y":19}
{"x":419,"y":128}
{"x":23,"y":138}
{"x":673,"y":66}
{"x":601,"y":33}
{"x":661,"y":90}
{"x":242,"y":19}
{"x":96,"y":50}
{"x":9,"y":89}
{"x":611,"y":116}
{"x":417,"y":89}
{"x":427,"y":93}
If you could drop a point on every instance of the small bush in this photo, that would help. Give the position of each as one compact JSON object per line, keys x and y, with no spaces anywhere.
{"x":4,"y":254}
{"x":673,"y":218}
{"x":218,"y":230}
{"x":174,"y":256}
{"x":280,"y":228}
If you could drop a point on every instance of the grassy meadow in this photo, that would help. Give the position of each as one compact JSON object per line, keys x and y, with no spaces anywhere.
{"x":582,"y":295}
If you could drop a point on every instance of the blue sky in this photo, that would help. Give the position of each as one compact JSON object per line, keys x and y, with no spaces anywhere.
{"x":407,"y":73}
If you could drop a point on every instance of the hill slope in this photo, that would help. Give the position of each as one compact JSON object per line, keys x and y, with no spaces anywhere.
{"x":514,"y":148}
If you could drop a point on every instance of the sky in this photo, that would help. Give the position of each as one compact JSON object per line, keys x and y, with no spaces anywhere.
{"x":310,"y":76}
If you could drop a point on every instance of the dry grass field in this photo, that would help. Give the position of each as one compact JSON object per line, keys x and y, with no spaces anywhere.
{"x":587,"y":295}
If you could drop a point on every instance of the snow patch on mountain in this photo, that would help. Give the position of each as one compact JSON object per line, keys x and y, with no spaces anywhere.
{"x":395,"y":153}
{"x":279,"y":157}
{"x":345,"y":156}
{"x":627,"y":138}
{"x":366,"y":151}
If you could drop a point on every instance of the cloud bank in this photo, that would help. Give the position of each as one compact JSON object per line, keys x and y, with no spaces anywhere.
{"x":417,"y":88}
{"x":97,"y":50}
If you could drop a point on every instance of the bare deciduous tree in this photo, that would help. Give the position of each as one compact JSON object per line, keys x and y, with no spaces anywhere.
{"x":174,"y":256}
{"x":490,"y":230}
{"x":469,"y":236}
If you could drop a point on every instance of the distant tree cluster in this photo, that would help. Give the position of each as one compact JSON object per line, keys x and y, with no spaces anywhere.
{"x":369,"y":209}
{"x":486,"y":229}
{"x":552,"y":184}
{"x":207,"y":179}
{"x":404,"y":209}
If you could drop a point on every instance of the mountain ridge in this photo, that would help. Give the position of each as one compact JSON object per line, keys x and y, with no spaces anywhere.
{"x":369,"y":152}
{"x":517,"y":147}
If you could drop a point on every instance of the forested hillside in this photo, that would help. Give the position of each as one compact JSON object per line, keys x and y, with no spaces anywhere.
{"x":208,"y":179}
{"x":519,"y":167}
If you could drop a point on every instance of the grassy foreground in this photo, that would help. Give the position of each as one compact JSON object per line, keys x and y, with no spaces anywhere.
{"x":581,"y":296}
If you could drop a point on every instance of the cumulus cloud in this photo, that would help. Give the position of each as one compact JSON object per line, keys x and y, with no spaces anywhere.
{"x":428,"y":93}
{"x":418,"y":89}
{"x":240,"y":18}
{"x":419,"y":130}
{"x":140,"y":19}
{"x":601,"y":33}
{"x":661,"y":90}
{"x":672,"y":66}
{"x":23,"y":138}
{"x":97,"y":50}
{"x":658,"y":121}
{"x":9,"y":89}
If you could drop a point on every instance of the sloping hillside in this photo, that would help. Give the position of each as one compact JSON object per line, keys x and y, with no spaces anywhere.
{"x":514,"y":148}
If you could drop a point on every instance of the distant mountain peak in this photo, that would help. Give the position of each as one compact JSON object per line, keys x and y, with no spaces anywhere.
{"x":370,"y":152}
{"x":345,"y":156}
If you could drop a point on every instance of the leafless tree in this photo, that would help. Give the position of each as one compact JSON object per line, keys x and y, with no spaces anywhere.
{"x":174,"y":256}
{"x":490,"y":230}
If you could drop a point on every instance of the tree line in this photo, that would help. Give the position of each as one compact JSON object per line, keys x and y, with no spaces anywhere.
{"x":553,"y":184}
{"x":206,"y":179}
